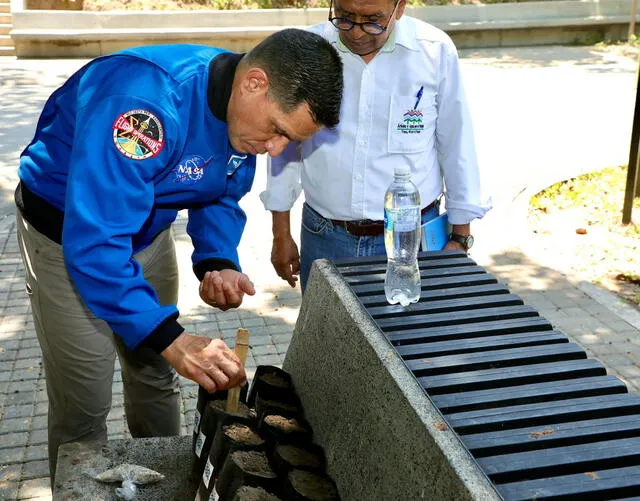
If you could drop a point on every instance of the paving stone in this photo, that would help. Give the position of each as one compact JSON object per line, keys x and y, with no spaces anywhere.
{"x":14,"y":425}
{"x":282,"y":338}
{"x":28,"y":363}
{"x":10,"y":473}
{"x":270,"y":360}
{"x":250,"y":323}
{"x":37,"y":437}
{"x":7,"y":356}
{"x":114,"y":427}
{"x":22,"y":386}
{"x":37,"y":452}
{"x":29,"y":343}
{"x":33,"y":353}
{"x":35,"y":488}
{"x":39,"y":423}
{"x":282,"y":348}
{"x":11,"y":440}
{"x":20,"y":398}
{"x":11,"y":455}
{"x":281,"y":329}
{"x":9,"y":344}
{"x":35,"y":469}
{"x":25,"y":374}
{"x":41,"y":408}
{"x":17,"y":411}
{"x":266,"y":349}
{"x":261,"y":339}
{"x":8,"y":490}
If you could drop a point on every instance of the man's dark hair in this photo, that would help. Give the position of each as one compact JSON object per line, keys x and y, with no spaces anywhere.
{"x":301,"y":67}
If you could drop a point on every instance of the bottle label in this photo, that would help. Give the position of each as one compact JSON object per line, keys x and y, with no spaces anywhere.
{"x":200,"y":443}
{"x":214,"y":495}
{"x":196,"y":422}
{"x":402,"y":218}
{"x":208,"y":471}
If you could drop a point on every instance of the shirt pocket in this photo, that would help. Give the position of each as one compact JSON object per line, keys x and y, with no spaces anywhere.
{"x":411,"y":129}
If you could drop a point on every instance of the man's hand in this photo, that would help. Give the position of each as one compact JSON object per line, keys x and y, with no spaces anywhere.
{"x":225,"y":289}
{"x":285,"y":258}
{"x":210,"y":363}
{"x":284,"y":252}
{"x":451,"y":245}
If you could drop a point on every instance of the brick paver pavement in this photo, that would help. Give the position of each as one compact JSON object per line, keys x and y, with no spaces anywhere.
{"x":513,"y":93}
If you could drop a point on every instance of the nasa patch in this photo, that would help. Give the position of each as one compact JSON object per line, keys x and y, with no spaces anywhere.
{"x":190,"y":169}
{"x":138,"y":134}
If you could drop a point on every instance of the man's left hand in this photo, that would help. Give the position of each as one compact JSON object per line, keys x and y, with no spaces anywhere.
{"x":225,"y":289}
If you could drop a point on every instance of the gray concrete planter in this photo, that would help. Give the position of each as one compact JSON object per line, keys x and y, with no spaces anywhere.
{"x":38,"y":33}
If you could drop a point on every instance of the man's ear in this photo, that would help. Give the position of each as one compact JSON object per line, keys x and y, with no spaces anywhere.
{"x":400,"y":10}
{"x":255,"y":80}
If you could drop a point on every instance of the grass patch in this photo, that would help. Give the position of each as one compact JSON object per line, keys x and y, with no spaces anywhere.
{"x":601,"y":193}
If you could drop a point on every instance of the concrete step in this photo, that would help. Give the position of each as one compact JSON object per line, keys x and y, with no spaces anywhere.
{"x":7,"y":51}
{"x":6,"y":41}
{"x":5,"y":7}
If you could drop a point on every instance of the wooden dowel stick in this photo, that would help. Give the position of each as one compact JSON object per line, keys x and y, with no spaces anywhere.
{"x":241,"y":348}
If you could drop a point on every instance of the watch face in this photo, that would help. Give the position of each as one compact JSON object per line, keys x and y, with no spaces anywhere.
{"x":469,"y":241}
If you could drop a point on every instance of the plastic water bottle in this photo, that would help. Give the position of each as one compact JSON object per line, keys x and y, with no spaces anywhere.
{"x":402,"y":227}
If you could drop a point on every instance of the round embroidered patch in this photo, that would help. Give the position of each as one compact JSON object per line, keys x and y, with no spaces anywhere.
{"x":138,"y":134}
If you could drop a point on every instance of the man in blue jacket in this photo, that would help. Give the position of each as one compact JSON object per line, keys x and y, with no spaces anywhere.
{"x":124,"y":144}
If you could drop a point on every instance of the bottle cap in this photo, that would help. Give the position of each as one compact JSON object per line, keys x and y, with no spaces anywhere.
{"x":402,"y":170}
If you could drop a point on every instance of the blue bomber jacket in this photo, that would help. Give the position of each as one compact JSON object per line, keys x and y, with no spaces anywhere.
{"x":125,"y":143}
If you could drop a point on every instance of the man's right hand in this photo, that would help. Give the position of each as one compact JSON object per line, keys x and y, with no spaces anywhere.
{"x":286,"y":259}
{"x":284,"y":253}
{"x":208,"y":362}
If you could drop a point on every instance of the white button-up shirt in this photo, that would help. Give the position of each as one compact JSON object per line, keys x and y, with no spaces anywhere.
{"x":406,"y":105}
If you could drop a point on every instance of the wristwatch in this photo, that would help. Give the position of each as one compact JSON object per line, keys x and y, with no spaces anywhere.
{"x":465,"y":240}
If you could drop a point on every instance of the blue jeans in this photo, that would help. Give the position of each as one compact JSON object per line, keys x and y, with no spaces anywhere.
{"x":319,"y":238}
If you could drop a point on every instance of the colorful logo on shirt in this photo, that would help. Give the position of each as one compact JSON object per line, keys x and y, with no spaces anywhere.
{"x":411,"y":122}
{"x":190,"y":170}
{"x":138,"y":134}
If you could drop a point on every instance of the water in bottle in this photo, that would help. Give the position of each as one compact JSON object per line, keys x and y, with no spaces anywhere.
{"x":402,"y":227}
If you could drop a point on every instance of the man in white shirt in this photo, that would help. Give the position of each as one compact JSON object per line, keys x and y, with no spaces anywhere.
{"x":403,"y":103}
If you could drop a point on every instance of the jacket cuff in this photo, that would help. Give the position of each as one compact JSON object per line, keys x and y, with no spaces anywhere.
{"x":213,"y":264}
{"x":163,"y":335}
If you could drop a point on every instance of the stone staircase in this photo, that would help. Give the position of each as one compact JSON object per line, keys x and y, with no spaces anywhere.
{"x":6,"y":44}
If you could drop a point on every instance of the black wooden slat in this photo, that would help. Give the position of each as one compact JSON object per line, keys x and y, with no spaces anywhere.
{"x":440,"y":294}
{"x":425,"y":273}
{"x":553,"y":435}
{"x":453,"y":347}
{"x":510,"y":376}
{"x":493,"y":359}
{"x":376,"y":289}
{"x":375,"y":268}
{"x":562,"y":411}
{"x":446,"y":305}
{"x":468,"y":331}
{"x":586,"y":486}
{"x":459,"y":317}
{"x":422,"y":257}
{"x":529,"y":394}
{"x":562,"y":460}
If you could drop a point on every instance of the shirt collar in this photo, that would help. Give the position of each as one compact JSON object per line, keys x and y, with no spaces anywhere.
{"x":222,"y":70}
{"x":403,"y":34}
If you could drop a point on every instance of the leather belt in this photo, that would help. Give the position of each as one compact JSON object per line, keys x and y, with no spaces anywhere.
{"x":370,"y":227}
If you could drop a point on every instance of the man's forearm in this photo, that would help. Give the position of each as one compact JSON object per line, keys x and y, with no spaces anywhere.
{"x":281,"y":224}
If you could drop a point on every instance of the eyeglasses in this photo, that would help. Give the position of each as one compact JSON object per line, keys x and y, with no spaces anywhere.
{"x":344,"y":24}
